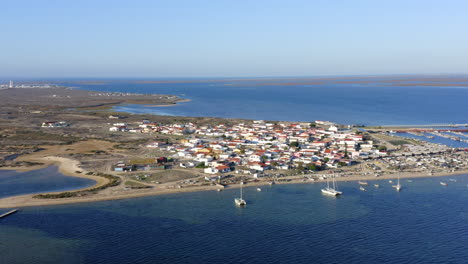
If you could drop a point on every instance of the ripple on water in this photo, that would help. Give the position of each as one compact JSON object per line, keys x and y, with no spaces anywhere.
{"x":281,"y":224}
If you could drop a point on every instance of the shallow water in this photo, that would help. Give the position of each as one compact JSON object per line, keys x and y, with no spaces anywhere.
{"x":37,"y":181}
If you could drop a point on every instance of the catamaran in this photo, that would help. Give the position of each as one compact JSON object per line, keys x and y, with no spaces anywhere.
{"x":331,"y":190}
{"x":240,"y":201}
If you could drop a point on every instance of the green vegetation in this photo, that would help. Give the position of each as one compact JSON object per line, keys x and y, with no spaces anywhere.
{"x":201,"y":165}
{"x":136,"y":185}
{"x":294,"y":144}
{"x":399,"y":142}
{"x":382,"y":148}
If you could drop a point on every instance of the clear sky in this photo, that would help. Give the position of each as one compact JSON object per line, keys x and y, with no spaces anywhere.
{"x":217,"y":38}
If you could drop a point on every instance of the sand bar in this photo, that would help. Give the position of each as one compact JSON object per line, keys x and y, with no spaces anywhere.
{"x":118,"y":192}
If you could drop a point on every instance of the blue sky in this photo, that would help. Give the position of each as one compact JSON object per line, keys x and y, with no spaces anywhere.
{"x":218,"y":38}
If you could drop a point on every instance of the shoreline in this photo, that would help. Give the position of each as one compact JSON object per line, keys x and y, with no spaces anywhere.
{"x":114,"y":193}
{"x":167,"y":105}
{"x":66,"y":166}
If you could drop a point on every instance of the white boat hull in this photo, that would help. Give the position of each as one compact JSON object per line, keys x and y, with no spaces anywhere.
{"x":330,"y":191}
{"x":240,"y":202}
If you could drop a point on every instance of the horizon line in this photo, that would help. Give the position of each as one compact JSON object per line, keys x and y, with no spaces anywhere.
{"x":3,"y":78}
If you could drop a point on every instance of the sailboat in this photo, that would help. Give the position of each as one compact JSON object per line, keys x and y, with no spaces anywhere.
{"x":331,"y":190}
{"x":398,"y":186}
{"x":240,"y":201}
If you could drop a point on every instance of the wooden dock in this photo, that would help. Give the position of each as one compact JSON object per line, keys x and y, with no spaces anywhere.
{"x":8,"y":213}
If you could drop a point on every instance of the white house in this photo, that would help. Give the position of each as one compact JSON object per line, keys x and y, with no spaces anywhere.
{"x":210,"y":170}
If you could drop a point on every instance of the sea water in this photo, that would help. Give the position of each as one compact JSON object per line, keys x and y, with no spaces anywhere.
{"x":369,"y":104}
{"x":423,"y":223}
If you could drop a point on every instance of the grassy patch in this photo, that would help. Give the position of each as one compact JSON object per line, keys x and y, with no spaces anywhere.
{"x":399,"y":142}
{"x":136,"y":185}
{"x":170,"y":176}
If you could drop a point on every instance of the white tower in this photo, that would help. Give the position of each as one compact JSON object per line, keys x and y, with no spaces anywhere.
{"x":11,"y":84}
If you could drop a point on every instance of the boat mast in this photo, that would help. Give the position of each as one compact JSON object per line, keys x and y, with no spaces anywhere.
{"x":334,"y":183}
{"x":398,"y":178}
{"x":241,"y":189}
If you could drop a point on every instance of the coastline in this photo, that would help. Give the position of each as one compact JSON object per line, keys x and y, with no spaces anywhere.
{"x":168,"y":105}
{"x":66,"y":167}
{"x":117,"y":193}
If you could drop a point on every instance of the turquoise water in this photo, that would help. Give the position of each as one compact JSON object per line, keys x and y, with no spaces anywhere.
{"x":424,"y":223}
{"x":43,"y":180}
{"x":345,"y":103}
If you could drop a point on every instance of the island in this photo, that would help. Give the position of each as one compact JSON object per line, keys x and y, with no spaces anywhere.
{"x":132,"y":155}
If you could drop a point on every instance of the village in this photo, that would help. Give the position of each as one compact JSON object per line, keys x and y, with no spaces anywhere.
{"x":256,"y":148}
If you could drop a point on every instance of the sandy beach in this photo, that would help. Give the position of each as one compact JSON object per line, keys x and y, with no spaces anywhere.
{"x":66,"y":166}
{"x":69,"y":166}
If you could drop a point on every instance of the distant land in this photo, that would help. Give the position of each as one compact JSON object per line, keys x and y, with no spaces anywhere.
{"x":396,"y":80}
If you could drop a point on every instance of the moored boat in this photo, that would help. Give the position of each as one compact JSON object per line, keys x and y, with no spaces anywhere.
{"x":240,"y":201}
{"x":331,"y":190}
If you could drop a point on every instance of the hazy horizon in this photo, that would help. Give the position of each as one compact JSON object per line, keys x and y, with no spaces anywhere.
{"x":206,"y":39}
{"x":129,"y":78}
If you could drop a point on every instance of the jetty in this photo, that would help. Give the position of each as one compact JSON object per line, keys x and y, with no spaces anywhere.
{"x":8,"y":213}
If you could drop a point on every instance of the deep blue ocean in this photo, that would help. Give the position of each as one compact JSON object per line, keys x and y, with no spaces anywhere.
{"x":424,"y":223}
{"x":369,"y":104}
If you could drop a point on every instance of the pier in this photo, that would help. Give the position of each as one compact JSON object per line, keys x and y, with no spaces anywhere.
{"x":419,"y":130}
{"x":433,"y":125}
{"x":8,"y":213}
